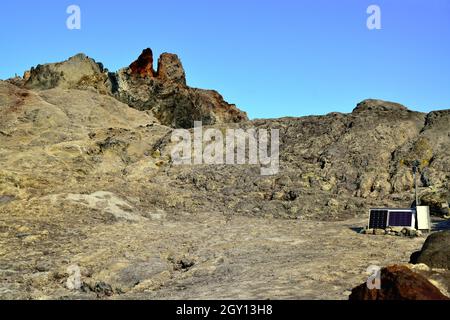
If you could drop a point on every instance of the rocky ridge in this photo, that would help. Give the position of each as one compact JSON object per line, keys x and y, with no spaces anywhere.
{"x":87,"y":179}
{"x":331,"y":167}
{"x":163,"y":92}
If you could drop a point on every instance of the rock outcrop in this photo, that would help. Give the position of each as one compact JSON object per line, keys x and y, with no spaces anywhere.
{"x":78,"y":72}
{"x":143,"y":66}
{"x":163,"y":92}
{"x":370,"y":105}
{"x":399,"y":283}
{"x":166,"y":94}
{"x":171,"y":69}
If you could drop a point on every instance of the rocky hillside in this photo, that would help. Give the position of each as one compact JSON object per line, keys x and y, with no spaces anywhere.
{"x":86,"y":177}
{"x":97,"y":130}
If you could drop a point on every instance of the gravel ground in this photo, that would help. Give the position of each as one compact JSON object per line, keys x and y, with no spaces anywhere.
{"x":185,"y":256}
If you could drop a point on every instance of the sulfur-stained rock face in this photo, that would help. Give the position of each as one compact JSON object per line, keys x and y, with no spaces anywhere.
{"x":143,"y":66}
{"x":399,"y":283}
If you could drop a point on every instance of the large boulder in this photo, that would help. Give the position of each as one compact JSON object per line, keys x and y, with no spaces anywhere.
{"x":435,"y":252}
{"x":399,"y":283}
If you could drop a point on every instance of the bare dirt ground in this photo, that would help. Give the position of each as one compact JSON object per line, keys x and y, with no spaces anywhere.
{"x":186,"y":256}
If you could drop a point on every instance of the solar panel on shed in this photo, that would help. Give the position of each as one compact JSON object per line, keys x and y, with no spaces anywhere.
{"x":400,"y":218}
{"x":378,"y":219}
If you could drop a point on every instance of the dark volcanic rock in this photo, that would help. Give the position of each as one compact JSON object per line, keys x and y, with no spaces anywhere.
{"x":143,"y":66}
{"x":399,"y":283}
{"x":435,"y":252}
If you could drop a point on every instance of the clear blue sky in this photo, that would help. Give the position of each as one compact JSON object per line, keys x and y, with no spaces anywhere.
{"x":272,"y":58}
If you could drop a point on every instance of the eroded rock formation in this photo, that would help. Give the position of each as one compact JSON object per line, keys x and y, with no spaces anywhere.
{"x":163,"y":92}
{"x":143,"y":66}
{"x":171,"y":69}
{"x":78,"y":72}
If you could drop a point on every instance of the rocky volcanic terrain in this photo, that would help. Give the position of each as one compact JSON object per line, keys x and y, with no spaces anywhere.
{"x":86,"y":180}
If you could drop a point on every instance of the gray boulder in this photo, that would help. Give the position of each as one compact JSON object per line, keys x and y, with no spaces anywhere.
{"x":435,"y":252}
